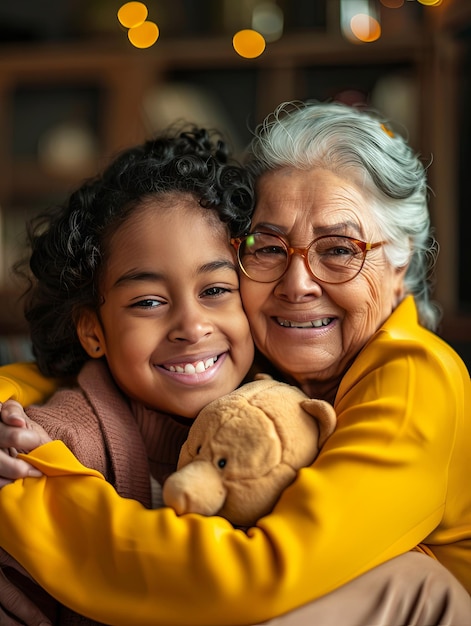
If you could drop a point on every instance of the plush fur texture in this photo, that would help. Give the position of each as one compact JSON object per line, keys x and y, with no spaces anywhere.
{"x":245,"y":448}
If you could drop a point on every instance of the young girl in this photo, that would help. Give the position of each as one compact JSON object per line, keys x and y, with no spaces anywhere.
{"x":134,"y":288}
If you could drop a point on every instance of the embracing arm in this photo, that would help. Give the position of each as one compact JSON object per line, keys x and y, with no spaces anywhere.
{"x":23,"y":382}
{"x":17,"y":432}
{"x":365,"y":500}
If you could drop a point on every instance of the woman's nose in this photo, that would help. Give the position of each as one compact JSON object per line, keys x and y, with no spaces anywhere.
{"x":190,"y":324}
{"x":297,"y":283}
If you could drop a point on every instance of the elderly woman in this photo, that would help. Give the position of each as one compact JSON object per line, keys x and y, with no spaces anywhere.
{"x":335,"y":285}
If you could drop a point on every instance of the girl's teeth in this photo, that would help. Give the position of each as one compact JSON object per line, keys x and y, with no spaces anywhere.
{"x":189,"y":368}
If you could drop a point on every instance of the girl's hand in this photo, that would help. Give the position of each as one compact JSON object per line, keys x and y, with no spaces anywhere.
{"x":17,"y":434}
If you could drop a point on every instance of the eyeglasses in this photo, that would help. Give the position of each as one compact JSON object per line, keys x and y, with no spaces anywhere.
{"x":332,"y":259}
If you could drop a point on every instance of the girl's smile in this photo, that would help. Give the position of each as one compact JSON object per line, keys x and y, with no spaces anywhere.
{"x":195,"y":372}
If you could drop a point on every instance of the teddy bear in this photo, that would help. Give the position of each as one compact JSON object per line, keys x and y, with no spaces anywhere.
{"x":245,"y":448}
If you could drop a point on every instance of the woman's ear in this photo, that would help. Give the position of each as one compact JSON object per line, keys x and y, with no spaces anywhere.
{"x":90,"y":334}
{"x":399,"y":286}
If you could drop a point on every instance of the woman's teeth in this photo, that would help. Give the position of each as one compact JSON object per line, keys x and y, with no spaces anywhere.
{"x":325,"y":321}
{"x":193,"y":368}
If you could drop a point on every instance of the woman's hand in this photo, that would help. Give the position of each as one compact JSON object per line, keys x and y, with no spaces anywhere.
{"x":17,"y":434}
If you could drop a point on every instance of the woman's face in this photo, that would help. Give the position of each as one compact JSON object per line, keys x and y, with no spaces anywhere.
{"x":172,"y":326}
{"x":311,"y":330}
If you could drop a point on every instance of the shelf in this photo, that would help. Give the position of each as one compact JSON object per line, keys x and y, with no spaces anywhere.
{"x":116,"y":79}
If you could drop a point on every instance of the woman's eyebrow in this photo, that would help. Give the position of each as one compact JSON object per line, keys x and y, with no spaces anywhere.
{"x":317,"y":230}
{"x":339,"y":227}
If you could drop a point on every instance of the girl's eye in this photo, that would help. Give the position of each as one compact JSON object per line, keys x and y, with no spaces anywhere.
{"x":147,"y":303}
{"x":216,"y":291}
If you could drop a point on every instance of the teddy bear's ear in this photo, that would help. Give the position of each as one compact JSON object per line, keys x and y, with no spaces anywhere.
{"x":325,"y":416}
{"x":262,"y":376}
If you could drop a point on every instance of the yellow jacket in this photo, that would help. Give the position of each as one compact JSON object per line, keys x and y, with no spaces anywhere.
{"x":394,"y":474}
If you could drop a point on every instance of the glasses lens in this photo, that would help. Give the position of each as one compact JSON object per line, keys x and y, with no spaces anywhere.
{"x":335,"y":259}
{"x":263,"y":257}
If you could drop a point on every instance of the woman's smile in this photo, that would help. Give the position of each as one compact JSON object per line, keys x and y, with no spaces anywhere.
{"x":314,"y":323}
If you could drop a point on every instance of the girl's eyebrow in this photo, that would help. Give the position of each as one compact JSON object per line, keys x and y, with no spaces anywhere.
{"x":146,"y":276}
{"x":220,"y":264}
{"x":135,"y":276}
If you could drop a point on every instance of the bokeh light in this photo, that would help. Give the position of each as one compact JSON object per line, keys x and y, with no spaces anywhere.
{"x":365,"y":28}
{"x":248,"y":43}
{"x":268,"y":19}
{"x":392,"y":4}
{"x":132,"y":14}
{"x":144,"y":36}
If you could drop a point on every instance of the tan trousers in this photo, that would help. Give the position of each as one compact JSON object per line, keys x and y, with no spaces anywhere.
{"x":410,"y":590}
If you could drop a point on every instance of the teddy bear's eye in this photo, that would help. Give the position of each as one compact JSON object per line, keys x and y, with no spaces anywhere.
{"x":222,"y":463}
{"x":198,"y":449}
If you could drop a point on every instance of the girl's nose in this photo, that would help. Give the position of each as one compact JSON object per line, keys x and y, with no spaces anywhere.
{"x":297,"y":283}
{"x":190,"y":324}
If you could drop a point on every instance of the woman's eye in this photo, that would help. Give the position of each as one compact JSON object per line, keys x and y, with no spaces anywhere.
{"x":271,"y":251}
{"x":340,"y":252}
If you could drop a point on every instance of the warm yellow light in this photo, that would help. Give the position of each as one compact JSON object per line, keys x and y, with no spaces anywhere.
{"x":144,"y":36}
{"x":365,"y":28}
{"x":248,"y":43}
{"x":430,"y":3}
{"x":132,"y":14}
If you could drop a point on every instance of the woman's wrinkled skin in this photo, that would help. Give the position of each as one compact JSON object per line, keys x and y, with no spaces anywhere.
{"x":315,"y":328}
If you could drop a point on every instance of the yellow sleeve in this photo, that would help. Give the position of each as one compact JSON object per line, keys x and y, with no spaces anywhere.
{"x":24,"y":382}
{"x":366,"y":499}
{"x":402,"y":427}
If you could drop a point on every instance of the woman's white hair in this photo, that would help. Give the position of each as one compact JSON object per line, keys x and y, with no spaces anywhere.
{"x":343,"y":139}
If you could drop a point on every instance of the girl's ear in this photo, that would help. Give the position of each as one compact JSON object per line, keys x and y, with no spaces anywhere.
{"x":90,"y":334}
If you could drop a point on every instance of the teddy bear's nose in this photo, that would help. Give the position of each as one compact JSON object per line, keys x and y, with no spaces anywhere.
{"x":195,"y":488}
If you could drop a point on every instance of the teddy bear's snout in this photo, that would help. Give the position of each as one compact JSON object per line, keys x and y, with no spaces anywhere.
{"x":195,"y":488}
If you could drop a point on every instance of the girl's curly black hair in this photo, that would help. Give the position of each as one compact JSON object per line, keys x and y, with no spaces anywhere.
{"x":68,"y":244}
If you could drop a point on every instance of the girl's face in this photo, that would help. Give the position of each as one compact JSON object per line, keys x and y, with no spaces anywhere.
{"x":309,"y":329}
{"x":171,"y":326}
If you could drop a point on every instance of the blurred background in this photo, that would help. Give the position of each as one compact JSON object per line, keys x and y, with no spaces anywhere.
{"x":78,"y":83}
